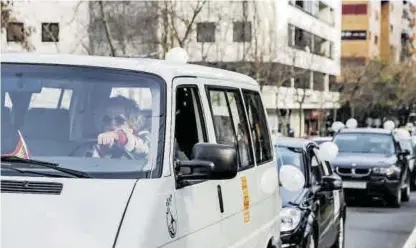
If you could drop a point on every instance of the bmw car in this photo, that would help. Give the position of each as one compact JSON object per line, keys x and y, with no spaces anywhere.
{"x":372,"y":164}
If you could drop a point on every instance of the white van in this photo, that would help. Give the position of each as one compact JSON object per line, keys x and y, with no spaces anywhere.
{"x":118,"y":152}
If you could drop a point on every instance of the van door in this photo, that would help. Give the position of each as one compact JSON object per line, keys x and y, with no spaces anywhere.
{"x":198,"y":209}
{"x":247,"y":212}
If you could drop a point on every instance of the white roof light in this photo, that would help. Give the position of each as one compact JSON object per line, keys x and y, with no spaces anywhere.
{"x":177,"y":55}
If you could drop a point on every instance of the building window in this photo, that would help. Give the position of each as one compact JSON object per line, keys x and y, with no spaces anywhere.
{"x":318,"y":81}
{"x":50,"y":32}
{"x":391,"y":28}
{"x":376,"y":15}
{"x":303,"y":39}
{"x":354,"y":35}
{"x":299,"y":4}
{"x":354,"y":9}
{"x":205,"y":32}
{"x":375,"y":39}
{"x":15,"y":32}
{"x":242,"y":32}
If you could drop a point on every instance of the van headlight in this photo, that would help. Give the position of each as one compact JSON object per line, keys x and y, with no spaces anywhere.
{"x":386,"y":171}
{"x":290,"y":218}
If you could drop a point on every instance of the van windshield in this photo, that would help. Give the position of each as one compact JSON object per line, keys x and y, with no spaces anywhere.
{"x":106,"y":122}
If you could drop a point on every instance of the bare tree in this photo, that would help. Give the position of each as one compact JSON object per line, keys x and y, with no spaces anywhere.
{"x":16,"y":31}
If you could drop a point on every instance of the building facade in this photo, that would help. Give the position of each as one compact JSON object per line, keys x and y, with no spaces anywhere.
{"x":291,"y":47}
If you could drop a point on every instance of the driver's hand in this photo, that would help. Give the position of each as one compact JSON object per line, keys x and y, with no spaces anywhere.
{"x":107,"y":138}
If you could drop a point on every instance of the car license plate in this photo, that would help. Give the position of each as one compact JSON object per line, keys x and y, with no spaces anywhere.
{"x":354,"y":185}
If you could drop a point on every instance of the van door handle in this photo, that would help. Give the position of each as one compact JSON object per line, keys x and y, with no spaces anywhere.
{"x":220,"y":198}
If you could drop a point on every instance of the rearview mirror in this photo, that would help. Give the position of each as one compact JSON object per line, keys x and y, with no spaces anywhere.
{"x":210,"y":162}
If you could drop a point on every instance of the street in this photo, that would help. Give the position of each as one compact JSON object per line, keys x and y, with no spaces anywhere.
{"x":378,"y":226}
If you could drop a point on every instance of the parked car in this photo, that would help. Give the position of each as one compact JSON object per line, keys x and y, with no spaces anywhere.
{"x":407,"y":144}
{"x":372,"y":163}
{"x":315,"y":215}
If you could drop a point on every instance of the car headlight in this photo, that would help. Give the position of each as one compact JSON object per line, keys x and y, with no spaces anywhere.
{"x":386,"y":171}
{"x":290,"y":218}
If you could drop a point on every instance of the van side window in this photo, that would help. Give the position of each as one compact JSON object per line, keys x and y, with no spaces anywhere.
{"x":258,"y":126}
{"x":230,"y":123}
{"x":189,"y":122}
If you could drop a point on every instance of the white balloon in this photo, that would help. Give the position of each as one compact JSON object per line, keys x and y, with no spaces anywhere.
{"x":269,"y":181}
{"x":336,"y":126}
{"x":177,"y":55}
{"x":389,"y":125}
{"x":351,"y":123}
{"x":291,"y":178}
{"x":328,"y":151}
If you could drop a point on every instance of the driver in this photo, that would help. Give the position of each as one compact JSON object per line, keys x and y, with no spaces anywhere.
{"x":122,"y":126}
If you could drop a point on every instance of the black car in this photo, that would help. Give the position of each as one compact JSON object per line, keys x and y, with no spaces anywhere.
{"x":372,"y":163}
{"x":407,"y":144}
{"x":315,"y":215}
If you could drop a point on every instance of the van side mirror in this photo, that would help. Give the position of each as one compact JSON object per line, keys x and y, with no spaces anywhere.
{"x":210,"y":162}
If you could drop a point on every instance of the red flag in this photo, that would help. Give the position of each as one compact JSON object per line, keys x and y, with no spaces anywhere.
{"x":21,"y":148}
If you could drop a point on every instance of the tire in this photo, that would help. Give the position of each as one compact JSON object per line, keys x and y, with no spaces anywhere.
{"x":406,"y":191}
{"x":340,"y":241}
{"x":413,"y":180}
{"x":396,"y":200}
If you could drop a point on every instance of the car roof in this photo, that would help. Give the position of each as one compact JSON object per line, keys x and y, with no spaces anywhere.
{"x":170,"y":69}
{"x":293,"y":142}
{"x":318,"y":138}
{"x":366,"y":130}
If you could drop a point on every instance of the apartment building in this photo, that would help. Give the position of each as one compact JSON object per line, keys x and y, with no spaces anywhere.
{"x":376,"y":29}
{"x":291,"y":47}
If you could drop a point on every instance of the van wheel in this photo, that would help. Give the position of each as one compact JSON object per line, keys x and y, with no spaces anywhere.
{"x":340,"y":241}
{"x":406,"y":191}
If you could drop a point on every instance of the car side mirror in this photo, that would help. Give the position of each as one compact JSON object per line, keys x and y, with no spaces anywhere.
{"x":210,"y":162}
{"x":404,"y":153}
{"x":329,"y":183}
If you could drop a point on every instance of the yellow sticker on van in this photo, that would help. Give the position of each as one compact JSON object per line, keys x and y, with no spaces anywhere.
{"x":246,"y":199}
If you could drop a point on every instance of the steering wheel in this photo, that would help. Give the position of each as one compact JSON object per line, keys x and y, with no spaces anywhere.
{"x":90,"y":145}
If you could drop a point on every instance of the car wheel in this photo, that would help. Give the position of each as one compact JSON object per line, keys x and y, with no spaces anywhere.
{"x":340,"y":241}
{"x":406,"y":191}
{"x":396,"y":199}
{"x":413,"y":180}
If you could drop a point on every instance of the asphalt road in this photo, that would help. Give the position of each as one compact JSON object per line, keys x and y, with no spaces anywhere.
{"x":375,"y":225}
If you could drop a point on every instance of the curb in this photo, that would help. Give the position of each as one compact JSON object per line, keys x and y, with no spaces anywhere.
{"x":411,"y":241}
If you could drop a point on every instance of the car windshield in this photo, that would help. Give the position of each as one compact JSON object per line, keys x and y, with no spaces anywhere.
{"x":106,"y":122}
{"x":365,"y":143}
{"x":289,"y":156}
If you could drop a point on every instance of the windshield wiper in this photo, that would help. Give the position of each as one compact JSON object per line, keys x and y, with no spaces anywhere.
{"x":53,"y":166}
{"x":33,"y":172}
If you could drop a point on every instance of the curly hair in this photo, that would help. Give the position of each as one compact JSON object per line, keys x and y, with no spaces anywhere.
{"x":132,"y":109}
